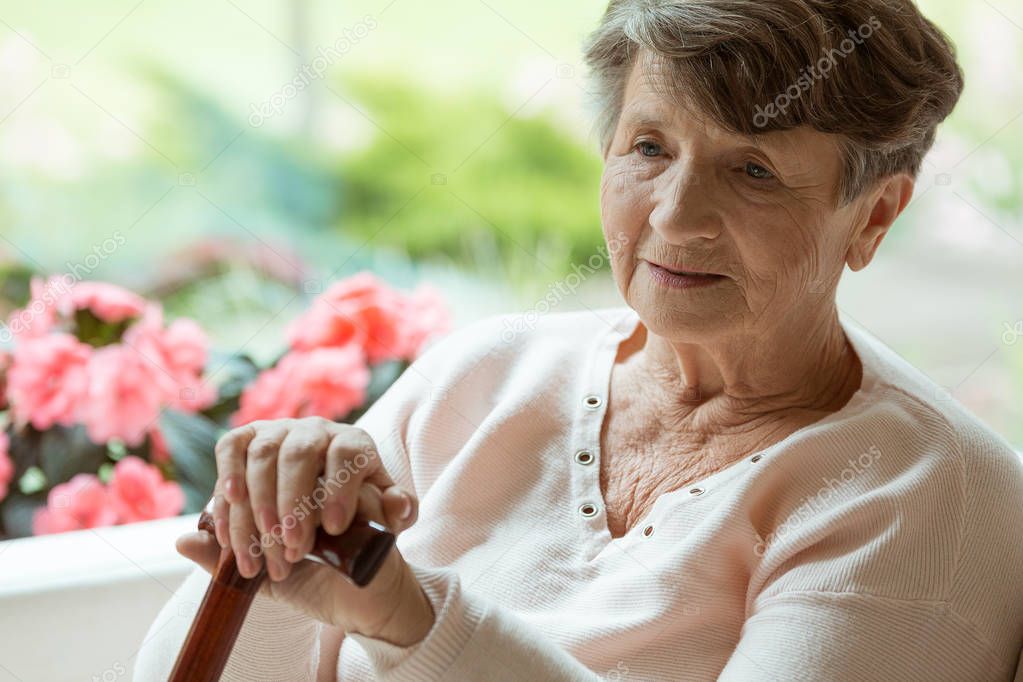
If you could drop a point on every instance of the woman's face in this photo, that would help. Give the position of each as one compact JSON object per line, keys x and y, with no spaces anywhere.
{"x":681,"y":192}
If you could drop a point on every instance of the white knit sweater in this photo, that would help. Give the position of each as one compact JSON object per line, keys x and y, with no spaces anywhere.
{"x":880,"y":543}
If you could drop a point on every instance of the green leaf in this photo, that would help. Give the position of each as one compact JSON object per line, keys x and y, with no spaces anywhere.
{"x":106,"y":472}
{"x":32,"y":481}
{"x":66,"y":450}
{"x":382,"y":375}
{"x":195,"y":500}
{"x":240,"y":371}
{"x":115,"y":449}
{"x":17,"y":512}
{"x":191,"y":439}
{"x":95,"y":332}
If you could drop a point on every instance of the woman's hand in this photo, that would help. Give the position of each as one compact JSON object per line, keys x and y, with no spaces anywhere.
{"x":276,"y":481}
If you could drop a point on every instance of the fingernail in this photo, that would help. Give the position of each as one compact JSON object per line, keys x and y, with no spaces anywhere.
{"x":220,"y":526}
{"x":268,"y":519}
{"x":292,"y":554}
{"x":332,"y":519}
{"x":406,"y":507}
{"x":292,"y":535}
{"x":273,"y":568}
{"x":233,"y":488}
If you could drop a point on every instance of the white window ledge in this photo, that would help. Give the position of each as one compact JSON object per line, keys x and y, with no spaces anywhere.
{"x":75,"y":606}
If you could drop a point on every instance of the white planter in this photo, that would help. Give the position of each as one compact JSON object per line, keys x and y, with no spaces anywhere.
{"x":75,"y":606}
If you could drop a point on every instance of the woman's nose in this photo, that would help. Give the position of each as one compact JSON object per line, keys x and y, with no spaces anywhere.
{"x":684,"y":208}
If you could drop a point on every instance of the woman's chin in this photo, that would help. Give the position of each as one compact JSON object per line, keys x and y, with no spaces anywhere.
{"x":683,"y":320}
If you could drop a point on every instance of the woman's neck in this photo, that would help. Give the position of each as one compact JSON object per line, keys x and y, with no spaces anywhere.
{"x":791,"y":368}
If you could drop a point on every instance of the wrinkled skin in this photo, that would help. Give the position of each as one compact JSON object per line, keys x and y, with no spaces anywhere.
{"x":734,"y":367}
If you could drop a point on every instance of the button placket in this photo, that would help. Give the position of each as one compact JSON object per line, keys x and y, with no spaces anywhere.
{"x":588,"y":503}
{"x":584,"y":457}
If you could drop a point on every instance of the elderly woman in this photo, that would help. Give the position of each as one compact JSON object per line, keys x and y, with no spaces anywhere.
{"x":724,"y":479}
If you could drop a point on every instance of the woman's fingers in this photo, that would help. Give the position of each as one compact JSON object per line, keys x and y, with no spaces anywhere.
{"x":369,"y":505}
{"x":299,"y":496}
{"x":335,"y":476}
{"x":261,"y":478}
{"x":351,"y":459}
{"x":270,"y":498}
{"x":230,"y":452}
{"x":245,"y":542}
{"x":200,"y":547}
{"x":401,"y":508}
{"x":221,"y":519}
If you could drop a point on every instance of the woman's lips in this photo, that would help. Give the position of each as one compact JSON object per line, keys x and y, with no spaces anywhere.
{"x":676,"y":280}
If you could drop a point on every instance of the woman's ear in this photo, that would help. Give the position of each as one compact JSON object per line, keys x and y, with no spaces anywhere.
{"x":886,"y":205}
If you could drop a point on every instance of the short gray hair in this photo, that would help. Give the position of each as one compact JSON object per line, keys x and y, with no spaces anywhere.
{"x":738,"y":60}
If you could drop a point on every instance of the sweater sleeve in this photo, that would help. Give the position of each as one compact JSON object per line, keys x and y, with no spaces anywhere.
{"x":472,"y":639}
{"x":915,"y":576}
{"x":275,"y":643}
{"x":856,"y":636}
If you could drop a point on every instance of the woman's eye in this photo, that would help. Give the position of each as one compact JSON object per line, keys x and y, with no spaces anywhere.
{"x":755,"y":170}
{"x":648,"y":148}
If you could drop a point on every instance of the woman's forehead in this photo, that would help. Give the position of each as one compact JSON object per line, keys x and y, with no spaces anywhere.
{"x":652,"y":100}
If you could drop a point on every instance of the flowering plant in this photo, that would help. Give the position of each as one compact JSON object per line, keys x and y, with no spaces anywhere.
{"x":110,"y":414}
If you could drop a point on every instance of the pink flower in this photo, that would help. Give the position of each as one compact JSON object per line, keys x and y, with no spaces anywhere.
{"x":5,"y":364}
{"x":39,"y":316}
{"x":108,"y":302}
{"x":177,"y":356}
{"x":333,"y":381}
{"x":48,"y":380}
{"x":6,"y":465}
{"x":59,"y":296}
{"x":185,"y":345}
{"x":138,"y":492}
{"x":124,"y":397}
{"x":323,"y":325}
{"x":270,"y":396}
{"x":82,"y":502}
{"x":360,"y":308}
{"x":327,"y":382}
{"x":426,"y":317}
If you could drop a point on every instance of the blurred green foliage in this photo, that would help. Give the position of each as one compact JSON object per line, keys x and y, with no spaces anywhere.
{"x":445,"y":179}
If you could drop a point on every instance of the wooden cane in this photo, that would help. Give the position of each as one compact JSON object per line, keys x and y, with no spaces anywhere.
{"x":357,"y":553}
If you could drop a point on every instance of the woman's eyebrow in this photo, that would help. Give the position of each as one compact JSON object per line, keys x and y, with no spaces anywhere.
{"x":645,"y":119}
{"x":772,"y":149}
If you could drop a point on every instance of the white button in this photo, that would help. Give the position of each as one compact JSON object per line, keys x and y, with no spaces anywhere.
{"x":696,"y":491}
{"x":584,"y":457}
{"x":588,"y":509}
{"x":592,"y":401}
